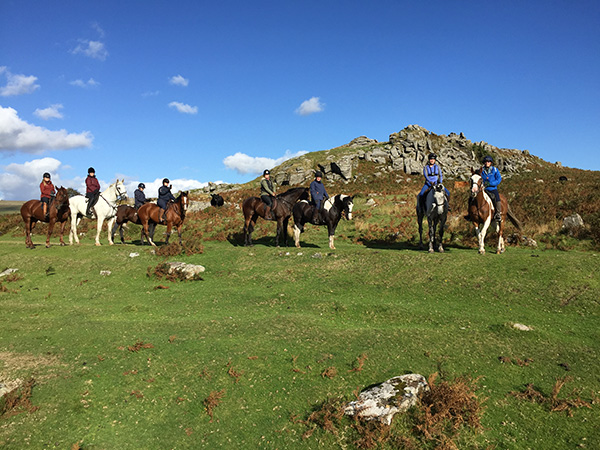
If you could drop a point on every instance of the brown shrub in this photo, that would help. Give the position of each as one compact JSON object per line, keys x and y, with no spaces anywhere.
{"x":212,"y":401}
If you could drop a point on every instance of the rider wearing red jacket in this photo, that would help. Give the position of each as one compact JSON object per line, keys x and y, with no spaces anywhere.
{"x":92,"y":190}
{"x":47,"y":190}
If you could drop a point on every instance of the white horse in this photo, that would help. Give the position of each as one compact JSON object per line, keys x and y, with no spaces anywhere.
{"x":436,"y":210}
{"x":106,"y":209}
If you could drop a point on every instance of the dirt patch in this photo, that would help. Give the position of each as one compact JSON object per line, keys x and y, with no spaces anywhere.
{"x":16,"y":363}
{"x":139,"y":345}
{"x":18,"y":400}
{"x":212,"y":401}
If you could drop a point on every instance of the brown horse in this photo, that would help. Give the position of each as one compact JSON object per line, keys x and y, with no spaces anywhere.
{"x":481,"y":211}
{"x":254,"y":207}
{"x":148,"y":215}
{"x":126,"y":213}
{"x":58,"y":211}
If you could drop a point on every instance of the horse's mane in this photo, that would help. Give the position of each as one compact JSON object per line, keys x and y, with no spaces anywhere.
{"x":292,"y":191}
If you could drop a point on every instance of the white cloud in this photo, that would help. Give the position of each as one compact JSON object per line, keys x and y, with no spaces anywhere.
{"x":178,"y":80}
{"x":183,"y":108}
{"x":18,"y":135}
{"x":93,"y":49}
{"x":243,"y":164}
{"x":85,"y":84}
{"x":17,"y":84}
{"x":22,"y":181}
{"x":310,"y":106}
{"x":150,"y":94}
{"x":98,"y":29}
{"x":52,"y":112}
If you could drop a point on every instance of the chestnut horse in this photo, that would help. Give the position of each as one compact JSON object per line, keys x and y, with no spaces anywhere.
{"x":481,"y":211}
{"x":254,"y":207}
{"x":148,"y":215}
{"x":58,"y":211}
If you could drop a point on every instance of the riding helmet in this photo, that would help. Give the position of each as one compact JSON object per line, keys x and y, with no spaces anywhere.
{"x":141,"y":186}
{"x":488,"y":158}
{"x":266,"y":172}
{"x":46,"y":175}
{"x":318,"y":173}
{"x":165,"y":180}
{"x":91,"y":170}
{"x":432,"y":156}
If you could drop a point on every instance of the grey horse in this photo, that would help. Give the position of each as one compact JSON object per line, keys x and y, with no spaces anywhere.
{"x":435,"y":208}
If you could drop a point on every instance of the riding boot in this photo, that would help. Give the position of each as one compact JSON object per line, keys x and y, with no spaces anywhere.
{"x":498,"y":215}
{"x":315,"y":216}
{"x":268,"y":213}
{"x":93,"y":211}
{"x":162,"y":215}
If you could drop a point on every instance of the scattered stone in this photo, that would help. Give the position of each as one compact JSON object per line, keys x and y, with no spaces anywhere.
{"x":382,"y":401}
{"x":7,"y":387}
{"x":105,"y":273}
{"x":7,"y":272}
{"x":188,"y":271}
{"x":521,"y":327}
{"x":133,"y":254}
{"x":317,"y":255}
{"x":371,"y":202}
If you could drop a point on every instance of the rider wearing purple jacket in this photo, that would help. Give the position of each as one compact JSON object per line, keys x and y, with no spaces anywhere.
{"x":433,"y":175}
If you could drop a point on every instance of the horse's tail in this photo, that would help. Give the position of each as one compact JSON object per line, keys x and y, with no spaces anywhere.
{"x":513,"y":219}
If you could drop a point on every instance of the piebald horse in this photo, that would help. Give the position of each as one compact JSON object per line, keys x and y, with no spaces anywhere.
{"x":106,"y":209}
{"x":149,"y":217}
{"x":254,"y":207}
{"x":436,"y":210}
{"x":481,"y":212}
{"x":333,"y":210}
{"x":58,"y":211}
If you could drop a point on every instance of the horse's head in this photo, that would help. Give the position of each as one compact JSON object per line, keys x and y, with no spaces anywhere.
{"x":184,"y":200}
{"x":348,"y":204}
{"x":120,"y":190}
{"x":439,"y":198}
{"x":476,"y":184}
{"x":62,"y":197}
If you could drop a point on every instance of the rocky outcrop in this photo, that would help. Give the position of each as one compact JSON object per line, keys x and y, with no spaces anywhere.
{"x":405,"y":152}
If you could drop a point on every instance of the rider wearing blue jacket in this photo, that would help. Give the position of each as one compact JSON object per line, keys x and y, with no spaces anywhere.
{"x":317,"y":194}
{"x":164,"y":200}
{"x":433,"y":175}
{"x":491,"y":179}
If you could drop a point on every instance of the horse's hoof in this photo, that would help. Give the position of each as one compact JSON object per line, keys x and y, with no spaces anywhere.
{"x":482,"y":252}
{"x":62,"y":244}
{"x":441,"y":250}
{"x":98,"y":244}
{"x":430,"y":250}
{"x":47,"y":245}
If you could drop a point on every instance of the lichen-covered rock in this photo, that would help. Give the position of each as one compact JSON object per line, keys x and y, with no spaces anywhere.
{"x":572,"y":222}
{"x":187,"y":271}
{"x":382,"y":401}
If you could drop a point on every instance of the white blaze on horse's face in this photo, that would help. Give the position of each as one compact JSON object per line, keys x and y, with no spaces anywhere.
{"x":475,"y":179}
{"x":184,"y":202}
{"x":350,"y":205}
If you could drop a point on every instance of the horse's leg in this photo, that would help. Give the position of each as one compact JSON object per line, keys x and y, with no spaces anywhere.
{"x":50,"y":228}
{"x":62,"y":232}
{"x":441,"y":225}
{"x":331,"y":232}
{"x":73,"y":231}
{"x":482,"y":233}
{"x":298,"y":228}
{"x":285,"y":230}
{"x":169,"y":228}
{"x":109,"y":226}
{"x":121,"y":232}
{"x":179,"y":233}
{"x":420,"y":222}
{"x":28,"y":242}
{"x":500,"y":249}
{"x":99,"y":230}
{"x":278,"y":232}
{"x":431,"y":223}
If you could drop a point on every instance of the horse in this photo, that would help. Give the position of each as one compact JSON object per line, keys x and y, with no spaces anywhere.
{"x":254,"y":207}
{"x":126,"y":213}
{"x":148,"y":215}
{"x":435,"y":208}
{"x":58,"y":211}
{"x":106,"y":209}
{"x":333,"y":210}
{"x":481,"y":211}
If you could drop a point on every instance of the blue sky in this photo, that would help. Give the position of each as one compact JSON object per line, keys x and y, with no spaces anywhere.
{"x":202,"y":91}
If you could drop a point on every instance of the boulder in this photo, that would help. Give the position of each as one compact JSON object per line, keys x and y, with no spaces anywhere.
{"x":572,"y":223}
{"x":7,"y":272}
{"x":383,"y":401}
{"x":185,"y":270}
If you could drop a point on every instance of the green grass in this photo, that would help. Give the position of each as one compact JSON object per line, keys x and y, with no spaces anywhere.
{"x":277,"y":321}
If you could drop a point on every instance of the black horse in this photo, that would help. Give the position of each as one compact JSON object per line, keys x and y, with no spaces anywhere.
{"x":254,"y":207}
{"x":330,"y":215}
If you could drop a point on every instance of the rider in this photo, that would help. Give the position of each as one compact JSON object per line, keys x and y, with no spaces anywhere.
{"x":433,"y":175}
{"x":164,"y":199}
{"x":491,"y":179}
{"x":140,"y":197}
{"x":47,"y":190}
{"x":267,"y":191}
{"x":318,"y":194}
{"x":92,"y":191}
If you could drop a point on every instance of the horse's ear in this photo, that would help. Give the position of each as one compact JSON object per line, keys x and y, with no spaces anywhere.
{"x":472,"y":171}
